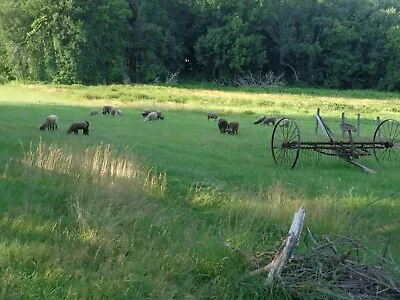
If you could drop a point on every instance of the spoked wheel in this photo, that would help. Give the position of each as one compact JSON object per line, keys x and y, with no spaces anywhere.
{"x":285,"y":142}
{"x":387,"y":141}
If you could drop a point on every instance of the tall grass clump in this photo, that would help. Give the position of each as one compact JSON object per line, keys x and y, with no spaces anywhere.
{"x":96,"y":164}
{"x":91,"y":212}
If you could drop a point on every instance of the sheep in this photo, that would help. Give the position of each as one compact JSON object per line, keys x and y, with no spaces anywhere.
{"x":84,"y":125}
{"x":268,"y":120}
{"x":260,"y":119}
{"x":116,"y":112}
{"x":212,"y":115}
{"x":222,"y":125}
{"x":107,"y":109}
{"x":159,"y":115}
{"x":285,"y":122}
{"x":50,"y":122}
{"x":233,"y":127}
{"x":145,"y":112}
{"x":151,"y":116}
{"x":93,"y":112}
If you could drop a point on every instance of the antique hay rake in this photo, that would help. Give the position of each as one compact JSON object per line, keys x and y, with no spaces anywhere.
{"x":286,"y":143}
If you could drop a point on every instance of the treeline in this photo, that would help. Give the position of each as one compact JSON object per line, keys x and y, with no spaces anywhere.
{"x":329,"y":43}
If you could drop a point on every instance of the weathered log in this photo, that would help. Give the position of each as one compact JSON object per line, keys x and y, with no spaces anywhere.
{"x":291,"y":243}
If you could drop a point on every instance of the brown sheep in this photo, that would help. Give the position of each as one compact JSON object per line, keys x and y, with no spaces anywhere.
{"x":222,"y":125}
{"x":84,"y":125}
{"x":107,"y":109}
{"x":268,"y":120}
{"x":233,"y":127}
{"x":212,"y":115}
{"x":50,"y":122}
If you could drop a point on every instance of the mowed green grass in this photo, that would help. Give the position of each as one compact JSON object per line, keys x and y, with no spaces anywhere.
{"x":160,"y":234}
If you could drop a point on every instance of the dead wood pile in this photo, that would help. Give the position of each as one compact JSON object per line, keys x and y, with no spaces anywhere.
{"x":336,"y":267}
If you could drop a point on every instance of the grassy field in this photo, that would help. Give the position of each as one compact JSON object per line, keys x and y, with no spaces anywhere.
{"x":141,"y":210}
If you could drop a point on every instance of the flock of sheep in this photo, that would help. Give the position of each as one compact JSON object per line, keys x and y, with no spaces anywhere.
{"x":233,"y":126}
{"x":51,"y":122}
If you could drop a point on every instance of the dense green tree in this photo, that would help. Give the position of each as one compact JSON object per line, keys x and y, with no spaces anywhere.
{"x":157,"y":41}
{"x":392,"y":75}
{"x":5,"y":70}
{"x":105,"y":32}
{"x":43,"y":38}
{"x":334,"y":43}
{"x":66,"y":41}
{"x":229,"y":47}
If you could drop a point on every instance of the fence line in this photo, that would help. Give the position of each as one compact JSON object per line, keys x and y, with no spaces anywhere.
{"x":343,"y":120}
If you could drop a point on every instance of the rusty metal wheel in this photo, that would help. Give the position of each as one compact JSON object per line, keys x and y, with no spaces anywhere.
{"x":387,"y":141}
{"x":285,"y":142}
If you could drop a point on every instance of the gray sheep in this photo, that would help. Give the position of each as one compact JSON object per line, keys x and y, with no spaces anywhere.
{"x":260,"y":119}
{"x":233,"y":127}
{"x":93,"y":112}
{"x":285,"y":122}
{"x":212,"y":115}
{"x":50,"y":122}
{"x":152,"y":116}
{"x":116,"y":112}
{"x":268,"y":120}
{"x":159,"y":115}
{"x":84,"y":125}
{"x":146,"y":112}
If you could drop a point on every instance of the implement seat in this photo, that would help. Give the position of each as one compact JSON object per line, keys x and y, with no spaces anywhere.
{"x":345,"y":127}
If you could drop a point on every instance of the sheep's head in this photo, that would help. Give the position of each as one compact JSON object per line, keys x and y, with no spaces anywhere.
{"x":42,"y":127}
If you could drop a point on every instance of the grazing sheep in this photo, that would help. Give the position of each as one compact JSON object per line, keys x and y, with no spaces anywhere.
{"x":268,"y":120}
{"x":84,"y":125}
{"x":260,"y":119}
{"x":107,"y":109}
{"x":146,"y":112}
{"x":222,"y":125}
{"x":159,"y":115}
{"x":93,"y":112}
{"x":212,"y":115}
{"x":233,"y":127}
{"x":118,"y":113}
{"x":50,"y":122}
{"x":285,"y":122}
{"x":151,"y":116}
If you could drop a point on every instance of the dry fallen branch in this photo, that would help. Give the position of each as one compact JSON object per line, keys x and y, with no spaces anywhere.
{"x":334,"y":268}
{"x":259,"y":79}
